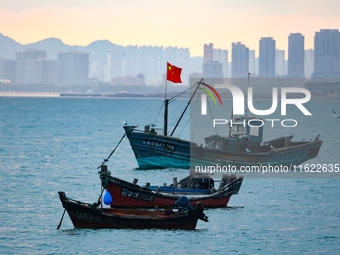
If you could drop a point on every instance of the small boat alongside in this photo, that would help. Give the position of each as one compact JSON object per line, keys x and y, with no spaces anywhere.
{"x":196,"y":188}
{"x":85,"y":215}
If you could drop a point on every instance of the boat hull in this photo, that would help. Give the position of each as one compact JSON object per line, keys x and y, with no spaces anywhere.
{"x":158,"y":151}
{"x":85,"y":215}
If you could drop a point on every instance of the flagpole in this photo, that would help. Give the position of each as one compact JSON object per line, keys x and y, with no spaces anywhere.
{"x":166,"y":81}
{"x":175,"y":77}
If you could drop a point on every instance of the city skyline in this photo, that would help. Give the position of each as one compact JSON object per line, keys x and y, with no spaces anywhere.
{"x":132,"y":61}
{"x":188,"y":24}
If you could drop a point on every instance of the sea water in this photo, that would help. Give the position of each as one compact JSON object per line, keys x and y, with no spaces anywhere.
{"x":56,"y":144}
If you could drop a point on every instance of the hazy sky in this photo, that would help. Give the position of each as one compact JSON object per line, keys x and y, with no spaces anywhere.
{"x":185,"y":23}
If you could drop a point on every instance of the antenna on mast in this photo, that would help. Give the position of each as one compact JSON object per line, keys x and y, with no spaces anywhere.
{"x":246,"y":105}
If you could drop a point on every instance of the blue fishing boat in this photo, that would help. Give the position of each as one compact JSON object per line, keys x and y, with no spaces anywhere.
{"x":243,"y":146}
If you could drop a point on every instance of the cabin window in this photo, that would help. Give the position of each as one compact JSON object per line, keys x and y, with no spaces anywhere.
{"x":254,"y":131}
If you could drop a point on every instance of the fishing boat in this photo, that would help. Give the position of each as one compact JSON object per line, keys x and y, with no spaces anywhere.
{"x":242,"y":146}
{"x":85,"y":215}
{"x":196,"y":188}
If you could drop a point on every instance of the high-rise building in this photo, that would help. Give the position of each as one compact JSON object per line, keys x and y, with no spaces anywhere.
{"x":208,"y":54}
{"x":239,"y":60}
{"x":296,"y":55}
{"x":73,"y":68}
{"x":97,"y":70}
{"x":21,"y":57}
{"x":170,"y":55}
{"x":130,"y":53}
{"x":147,"y":60}
{"x":309,"y":63}
{"x":40,"y":71}
{"x":108,"y":67}
{"x":195,"y":68}
{"x":280,"y":63}
{"x":327,"y":53}
{"x":252,"y":63}
{"x":267,"y":57}
{"x":151,"y":64}
{"x":222,"y":57}
{"x":117,"y":61}
{"x":8,"y":70}
{"x":211,"y":68}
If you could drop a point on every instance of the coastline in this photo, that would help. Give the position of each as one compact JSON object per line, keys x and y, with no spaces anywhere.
{"x":120,"y":95}
{"x":28,"y":94}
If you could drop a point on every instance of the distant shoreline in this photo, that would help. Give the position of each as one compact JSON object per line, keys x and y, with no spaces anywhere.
{"x":84,"y":95}
{"x":58,"y":94}
{"x":117,"y":95}
{"x":28,"y":94}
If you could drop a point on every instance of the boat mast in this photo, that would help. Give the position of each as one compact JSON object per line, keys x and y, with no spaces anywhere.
{"x":166,"y":103}
{"x":231,"y":118}
{"x":246,"y":107}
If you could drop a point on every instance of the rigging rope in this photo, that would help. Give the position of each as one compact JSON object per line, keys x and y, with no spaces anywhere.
{"x":191,"y":113}
{"x":158,"y":113}
{"x":182,"y":112}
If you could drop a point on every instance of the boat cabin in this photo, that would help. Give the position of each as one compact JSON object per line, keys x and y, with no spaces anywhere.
{"x":245,"y":135}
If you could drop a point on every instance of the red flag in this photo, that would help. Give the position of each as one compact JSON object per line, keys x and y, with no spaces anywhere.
{"x":174,"y":73}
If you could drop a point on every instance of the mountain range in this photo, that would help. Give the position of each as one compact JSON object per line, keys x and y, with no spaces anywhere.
{"x":97,"y":50}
